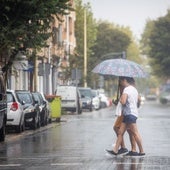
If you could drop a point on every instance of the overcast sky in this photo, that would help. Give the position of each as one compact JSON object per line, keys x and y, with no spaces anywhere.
{"x":132,"y":13}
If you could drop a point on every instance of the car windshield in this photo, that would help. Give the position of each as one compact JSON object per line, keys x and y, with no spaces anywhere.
{"x":85,"y":93}
{"x":94,"y":93}
{"x":26,"y":97}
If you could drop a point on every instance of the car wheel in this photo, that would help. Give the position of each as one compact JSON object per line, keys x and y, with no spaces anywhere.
{"x":163,"y":101}
{"x":2,"y":132}
{"x":18,"y":128}
{"x":39,"y":120}
{"x":91,"y":108}
{"x":34,"y":126}
{"x":49,"y":120}
{"x":79,"y":110}
{"x":23,"y":126}
{"x":46,"y":120}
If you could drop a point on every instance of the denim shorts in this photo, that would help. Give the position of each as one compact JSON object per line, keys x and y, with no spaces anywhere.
{"x":129,"y":119}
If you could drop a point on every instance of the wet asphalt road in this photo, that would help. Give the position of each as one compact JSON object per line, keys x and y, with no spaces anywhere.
{"x":79,"y":141}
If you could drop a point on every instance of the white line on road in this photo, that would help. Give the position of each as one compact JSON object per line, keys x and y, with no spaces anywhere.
{"x":9,"y":165}
{"x":142,"y":164}
{"x":66,"y":164}
{"x":127,"y":163}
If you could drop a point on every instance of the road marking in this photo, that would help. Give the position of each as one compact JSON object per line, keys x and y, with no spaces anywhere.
{"x":66,"y":164}
{"x":9,"y":165}
{"x":145,"y":164}
{"x":128,"y":163}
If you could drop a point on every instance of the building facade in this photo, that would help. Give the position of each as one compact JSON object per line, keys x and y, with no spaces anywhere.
{"x":47,"y":71}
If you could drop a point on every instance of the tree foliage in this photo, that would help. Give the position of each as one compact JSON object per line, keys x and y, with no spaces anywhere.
{"x":109,"y":40}
{"x":102,"y":38}
{"x":25,"y":24}
{"x":78,"y":59}
{"x":145,"y":39}
{"x":156,"y":45}
{"x":160,"y":45}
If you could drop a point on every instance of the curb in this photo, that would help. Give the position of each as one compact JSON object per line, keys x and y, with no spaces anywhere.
{"x":15,"y":136}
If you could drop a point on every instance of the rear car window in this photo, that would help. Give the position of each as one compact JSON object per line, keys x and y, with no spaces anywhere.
{"x":10,"y":97}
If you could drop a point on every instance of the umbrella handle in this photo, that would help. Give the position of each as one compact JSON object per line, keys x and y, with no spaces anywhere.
{"x":118,"y":91}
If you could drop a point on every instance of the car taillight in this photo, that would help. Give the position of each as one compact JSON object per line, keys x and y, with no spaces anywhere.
{"x":14,"y":106}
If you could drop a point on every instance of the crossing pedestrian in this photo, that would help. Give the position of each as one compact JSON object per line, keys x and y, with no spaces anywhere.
{"x":129,"y":101}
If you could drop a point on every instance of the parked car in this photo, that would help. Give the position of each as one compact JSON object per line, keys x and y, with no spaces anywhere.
{"x":86,"y":97}
{"x":151,"y":96}
{"x":31,"y":108}
{"x":70,"y":98}
{"x":104,"y":100}
{"x":3,"y":108}
{"x":96,"y":101}
{"x":164,"y":97}
{"x":142,"y":98}
{"x":15,"y":113}
{"x":42,"y":107}
{"x":48,"y":108}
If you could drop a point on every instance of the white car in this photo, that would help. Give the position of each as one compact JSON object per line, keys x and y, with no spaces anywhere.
{"x":15,"y":114}
{"x":96,"y":101}
{"x":104,"y":100}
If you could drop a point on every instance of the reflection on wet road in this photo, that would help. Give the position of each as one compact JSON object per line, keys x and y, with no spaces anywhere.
{"x":80,"y":141}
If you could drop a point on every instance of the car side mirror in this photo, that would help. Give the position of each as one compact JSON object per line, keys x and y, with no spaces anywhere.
{"x":23,"y":102}
{"x":36,"y":101}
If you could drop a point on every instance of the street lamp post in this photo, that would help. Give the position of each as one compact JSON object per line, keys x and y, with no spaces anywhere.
{"x":85,"y":50}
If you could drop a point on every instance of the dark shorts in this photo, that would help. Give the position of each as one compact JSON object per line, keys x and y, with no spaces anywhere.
{"x":129,"y":119}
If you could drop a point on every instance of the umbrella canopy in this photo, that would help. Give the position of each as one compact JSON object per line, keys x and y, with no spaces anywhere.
{"x":120,"y":67}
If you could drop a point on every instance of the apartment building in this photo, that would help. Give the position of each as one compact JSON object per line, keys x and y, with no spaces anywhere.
{"x":48,"y":69}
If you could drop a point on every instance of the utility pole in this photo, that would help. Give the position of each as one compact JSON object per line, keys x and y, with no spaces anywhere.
{"x":50,"y":73}
{"x":35,"y":73}
{"x":85,"y":49}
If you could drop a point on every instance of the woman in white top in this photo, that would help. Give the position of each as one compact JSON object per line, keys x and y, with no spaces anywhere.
{"x":129,"y":100}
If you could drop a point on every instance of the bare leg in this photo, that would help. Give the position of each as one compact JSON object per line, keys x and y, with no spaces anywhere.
{"x":120,"y":137}
{"x":116,"y":129}
{"x":138,"y":139}
{"x":132,"y":141}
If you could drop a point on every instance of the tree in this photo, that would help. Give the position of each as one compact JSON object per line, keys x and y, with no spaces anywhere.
{"x":160,"y":46}
{"x":133,"y":51}
{"x":109,"y":40}
{"x":25,"y":24}
{"x":78,"y":59}
{"x":145,"y":39}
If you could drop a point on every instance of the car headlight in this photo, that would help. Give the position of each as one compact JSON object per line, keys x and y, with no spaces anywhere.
{"x":88,"y":101}
{"x":29,"y":110}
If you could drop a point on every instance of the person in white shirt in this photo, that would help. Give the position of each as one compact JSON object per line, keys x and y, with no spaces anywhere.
{"x":129,"y":100}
